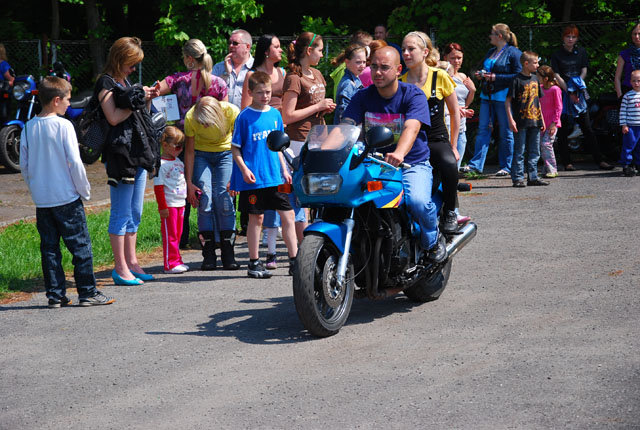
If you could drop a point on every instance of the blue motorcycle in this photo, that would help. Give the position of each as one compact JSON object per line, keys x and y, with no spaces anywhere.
{"x":25,"y":93}
{"x":363,"y":235}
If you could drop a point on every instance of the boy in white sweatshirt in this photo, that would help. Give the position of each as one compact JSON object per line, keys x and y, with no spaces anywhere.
{"x":51,"y":167}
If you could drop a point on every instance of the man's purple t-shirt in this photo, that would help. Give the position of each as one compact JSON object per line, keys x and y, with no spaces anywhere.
{"x":367,"y":107}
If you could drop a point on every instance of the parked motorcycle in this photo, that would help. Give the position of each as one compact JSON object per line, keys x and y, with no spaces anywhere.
{"x":364,"y":236}
{"x":25,"y":92}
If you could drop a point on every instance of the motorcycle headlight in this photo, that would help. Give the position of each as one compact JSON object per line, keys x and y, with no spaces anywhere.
{"x":321,"y":184}
{"x":20,"y":90}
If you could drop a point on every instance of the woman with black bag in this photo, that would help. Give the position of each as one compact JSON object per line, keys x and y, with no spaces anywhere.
{"x":130,"y":149}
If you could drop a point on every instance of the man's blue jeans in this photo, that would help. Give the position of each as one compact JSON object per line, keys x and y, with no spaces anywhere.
{"x":526,"y":139}
{"x":492,"y":111}
{"x":417,"y":182}
{"x":69,"y":223}
{"x":212,"y":173}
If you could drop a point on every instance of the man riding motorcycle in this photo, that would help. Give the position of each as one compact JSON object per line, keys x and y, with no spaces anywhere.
{"x":404,"y":109}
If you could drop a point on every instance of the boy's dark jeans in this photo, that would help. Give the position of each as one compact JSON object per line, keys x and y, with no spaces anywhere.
{"x":69,"y":222}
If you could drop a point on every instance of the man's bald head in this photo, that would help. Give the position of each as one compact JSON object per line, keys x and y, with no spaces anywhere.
{"x":388,"y":52}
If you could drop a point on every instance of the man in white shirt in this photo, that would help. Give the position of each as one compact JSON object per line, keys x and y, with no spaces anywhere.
{"x":233,"y":69}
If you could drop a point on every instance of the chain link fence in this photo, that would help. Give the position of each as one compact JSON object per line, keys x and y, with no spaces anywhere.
{"x":603,"y":41}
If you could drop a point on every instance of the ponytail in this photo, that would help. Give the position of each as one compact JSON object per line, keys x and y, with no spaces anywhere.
{"x":506,"y":33}
{"x":297,"y":50}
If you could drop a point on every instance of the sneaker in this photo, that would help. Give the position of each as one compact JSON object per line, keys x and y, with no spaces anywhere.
{"x":502,"y":172}
{"x":537,"y":182}
{"x":257,"y":270}
{"x":463,"y":219}
{"x":271,"y":262}
{"x":98,"y":299}
{"x":629,"y":171}
{"x":551,"y":175}
{"x":64,"y":302}
{"x":180,"y":268}
{"x":519,"y":184}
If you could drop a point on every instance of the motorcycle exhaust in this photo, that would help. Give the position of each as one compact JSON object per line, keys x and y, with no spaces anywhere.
{"x":461,"y":238}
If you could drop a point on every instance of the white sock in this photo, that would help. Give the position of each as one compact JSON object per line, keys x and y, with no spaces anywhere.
{"x":272,"y":236}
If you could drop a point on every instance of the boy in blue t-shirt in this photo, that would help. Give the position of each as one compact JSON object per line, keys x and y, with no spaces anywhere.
{"x":258,"y":172}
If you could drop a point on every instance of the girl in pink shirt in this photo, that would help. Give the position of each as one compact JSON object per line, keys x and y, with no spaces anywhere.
{"x":551,"y":105}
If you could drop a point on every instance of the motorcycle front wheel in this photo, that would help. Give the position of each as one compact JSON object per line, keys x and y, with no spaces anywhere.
{"x":10,"y":147}
{"x":322,"y":305}
{"x":427,"y":290}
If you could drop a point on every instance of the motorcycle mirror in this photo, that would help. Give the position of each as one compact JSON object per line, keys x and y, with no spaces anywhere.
{"x":278,"y":141}
{"x":379,"y":137}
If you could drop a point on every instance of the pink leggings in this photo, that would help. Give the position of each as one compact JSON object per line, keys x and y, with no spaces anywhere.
{"x":171,"y":231}
{"x":546,"y":152}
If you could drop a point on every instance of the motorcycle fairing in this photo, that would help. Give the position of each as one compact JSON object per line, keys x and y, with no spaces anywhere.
{"x":15,"y":122}
{"x":336,"y":233}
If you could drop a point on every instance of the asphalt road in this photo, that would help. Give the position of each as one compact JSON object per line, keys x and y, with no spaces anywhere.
{"x":538,"y":328}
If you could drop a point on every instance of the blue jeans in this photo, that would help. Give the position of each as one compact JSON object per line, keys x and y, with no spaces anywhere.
{"x":529,"y":139}
{"x":461,"y":145}
{"x":493,"y":111}
{"x":417,"y":182}
{"x":69,"y":223}
{"x":212,"y":173}
{"x":126,"y":205}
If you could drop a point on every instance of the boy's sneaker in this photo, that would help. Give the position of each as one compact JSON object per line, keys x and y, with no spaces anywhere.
{"x":629,"y":171}
{"x":257,"y":270}
{"x":551,"y":175}
{"x":271,"y":262}
{"x":98,"y":299}
{"x":519,"y":184}
{"x":66,"y":301}
{"x":537,"y":182}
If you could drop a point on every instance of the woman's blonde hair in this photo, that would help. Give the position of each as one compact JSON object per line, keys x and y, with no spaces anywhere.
{"x":506,"y":33}
{"x":195,"y":48}
{"x":125,"y":51}
{"x":208,"y":111}
{"x":3,"y":53}
{"x":424,"y":41}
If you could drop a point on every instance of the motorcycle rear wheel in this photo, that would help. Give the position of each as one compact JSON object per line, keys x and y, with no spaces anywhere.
{"x":10,"y":147}
{"x":427,"y":290}
{"x":322,"y":306}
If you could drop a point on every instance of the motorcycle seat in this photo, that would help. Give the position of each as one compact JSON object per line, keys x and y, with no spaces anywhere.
{"x":80,"y":102}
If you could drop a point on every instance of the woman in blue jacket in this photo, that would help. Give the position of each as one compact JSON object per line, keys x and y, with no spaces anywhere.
{"x":499,"y":67}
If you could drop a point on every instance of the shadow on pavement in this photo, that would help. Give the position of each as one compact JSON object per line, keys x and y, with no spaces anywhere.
{"x":278,"y":323}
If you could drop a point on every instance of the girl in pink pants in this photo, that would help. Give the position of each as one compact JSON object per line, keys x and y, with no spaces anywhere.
{"x":170,"y":189}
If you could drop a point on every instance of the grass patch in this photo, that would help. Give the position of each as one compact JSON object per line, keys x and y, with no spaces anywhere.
{"x":474,"y":175}
{"x":20,"y":267}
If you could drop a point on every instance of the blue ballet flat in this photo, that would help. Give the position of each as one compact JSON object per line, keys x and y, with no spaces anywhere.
{"x":143,"y":276}
{"x":117,"y":279}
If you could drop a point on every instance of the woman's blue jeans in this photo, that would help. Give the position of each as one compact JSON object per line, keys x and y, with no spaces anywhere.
{"x":212,"y":173}
{"x":492,"y":111}
{"x":126,"y":205}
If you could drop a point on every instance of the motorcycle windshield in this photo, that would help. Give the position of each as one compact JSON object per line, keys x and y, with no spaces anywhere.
{"x":328,"y":147}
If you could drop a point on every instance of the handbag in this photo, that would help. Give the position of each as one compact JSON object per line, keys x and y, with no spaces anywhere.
{"x":92,"y":129}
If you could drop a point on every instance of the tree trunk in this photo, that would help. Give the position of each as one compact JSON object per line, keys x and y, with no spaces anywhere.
{"x":566,"y":11}
{"x":96,"y":44}
{"x":55,"y":20}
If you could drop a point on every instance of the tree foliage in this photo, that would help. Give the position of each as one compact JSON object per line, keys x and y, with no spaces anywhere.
{"x":208,"y":20}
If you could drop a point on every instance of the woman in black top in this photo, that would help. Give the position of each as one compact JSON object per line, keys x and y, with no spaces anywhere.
{"x":570,"y":63}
